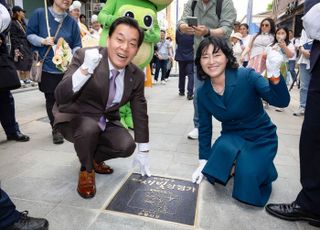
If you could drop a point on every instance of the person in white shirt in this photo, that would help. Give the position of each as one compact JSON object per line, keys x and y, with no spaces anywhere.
{"x":246,"y":38}
{"x":304,"y":68}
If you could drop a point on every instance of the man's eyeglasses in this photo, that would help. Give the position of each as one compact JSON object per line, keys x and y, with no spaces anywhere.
{"x":265,"y":25}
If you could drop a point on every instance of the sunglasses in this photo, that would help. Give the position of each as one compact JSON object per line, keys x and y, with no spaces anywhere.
{"x":265,"y":25}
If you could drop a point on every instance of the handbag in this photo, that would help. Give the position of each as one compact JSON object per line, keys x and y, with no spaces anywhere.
{"x":37,"y":62}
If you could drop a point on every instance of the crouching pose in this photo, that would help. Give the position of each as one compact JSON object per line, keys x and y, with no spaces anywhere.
{"x":97,"y":83}
{"x":248,"y":141}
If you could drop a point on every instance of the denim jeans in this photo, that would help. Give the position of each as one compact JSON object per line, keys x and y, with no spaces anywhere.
{"x":305,"y":76}
{"x":292,"y":64}
{"x":161,"y":64}
{"x":197,"y":85}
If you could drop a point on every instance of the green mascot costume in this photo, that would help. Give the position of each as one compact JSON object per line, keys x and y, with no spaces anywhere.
{"x":145,"y":12}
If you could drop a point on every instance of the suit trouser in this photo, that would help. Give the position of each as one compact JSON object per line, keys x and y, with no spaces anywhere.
{"x":91,"y":143}
{"x":7,"y":113}
{"x":8,"y":212}
{"x":186,"y":69}
{"x":309,"y":196}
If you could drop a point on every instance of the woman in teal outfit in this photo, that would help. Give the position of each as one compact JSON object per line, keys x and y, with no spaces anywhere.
{"x":248,"y":142}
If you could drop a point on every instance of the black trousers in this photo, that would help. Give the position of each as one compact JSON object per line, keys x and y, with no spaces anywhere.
{"x":7,"y":113}
{"x":91,"y":143}
{"x":186,"y":69}
{"x":8,"y":212}
{"x":48,"y":85}
{"x":309,"y":196}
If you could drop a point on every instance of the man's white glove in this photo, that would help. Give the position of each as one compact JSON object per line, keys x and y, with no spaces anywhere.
{"x":197,"y":175}
{"x":92,"y":58}
{"x":273,"y":63}
{"x":142,"y":160}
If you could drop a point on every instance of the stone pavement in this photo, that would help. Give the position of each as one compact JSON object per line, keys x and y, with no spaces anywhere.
{"x":42,"y":177}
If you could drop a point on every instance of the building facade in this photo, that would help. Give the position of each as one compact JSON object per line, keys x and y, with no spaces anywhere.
{"x":289,"y":13}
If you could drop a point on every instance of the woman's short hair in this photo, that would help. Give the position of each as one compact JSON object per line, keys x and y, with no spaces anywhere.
{"x":218,"y":44}
{"x":130,"y":22}
{"x":50,"y":2}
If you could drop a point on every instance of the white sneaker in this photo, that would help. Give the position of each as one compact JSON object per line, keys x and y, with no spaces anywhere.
{"x":194,"y":134}
{"x":163,"y":82}
{"x":299,"y":112}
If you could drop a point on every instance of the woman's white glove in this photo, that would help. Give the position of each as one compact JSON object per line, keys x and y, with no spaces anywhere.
{"x":273,"y":63}
{"x":197,"y":175}
{"x":92,"y":58}
{"x":142,"y":160}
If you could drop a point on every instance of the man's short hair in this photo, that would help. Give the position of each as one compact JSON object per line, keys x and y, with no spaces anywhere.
{"x":130,"y":22}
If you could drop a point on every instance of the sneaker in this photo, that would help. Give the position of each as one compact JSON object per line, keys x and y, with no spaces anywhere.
{"x":163,"y":82}
{"x":57,"y":137}
{"x":155,"y":82}
{"x":23,"y":85}
{"x":194,"y":134}
{"x":30,"y":223}
{"x":299,"y":112}
{"x":279,"y":109}
{"x":181,"y":94}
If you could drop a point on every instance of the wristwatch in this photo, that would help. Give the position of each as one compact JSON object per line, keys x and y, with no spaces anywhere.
{"x":207,"y":34}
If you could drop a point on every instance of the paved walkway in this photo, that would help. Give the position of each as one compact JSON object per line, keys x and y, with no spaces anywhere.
{"x":42,"y":177}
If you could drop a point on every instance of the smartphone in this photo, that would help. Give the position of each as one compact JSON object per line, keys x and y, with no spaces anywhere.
{"x":192,"y":21}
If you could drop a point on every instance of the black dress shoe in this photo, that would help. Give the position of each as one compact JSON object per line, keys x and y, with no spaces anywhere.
{"x":292,"y":212}
{"x":190,"y":97}
{"x":18,"y":137}
{"x":29,"y":223}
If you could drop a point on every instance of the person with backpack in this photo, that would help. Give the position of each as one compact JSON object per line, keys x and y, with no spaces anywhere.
{"x":214,"y":18}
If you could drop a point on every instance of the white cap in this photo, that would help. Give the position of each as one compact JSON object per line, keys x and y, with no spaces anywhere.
{"x":94,"y":18}
{"x":236,"y":35}
{"x":75,"y":5}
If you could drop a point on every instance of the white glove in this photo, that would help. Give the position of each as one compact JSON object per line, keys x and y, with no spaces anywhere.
{"x":142,"y":160}
{"x":197,"y":175}
{"x":273,"y":63}
{"x":92,"y":58}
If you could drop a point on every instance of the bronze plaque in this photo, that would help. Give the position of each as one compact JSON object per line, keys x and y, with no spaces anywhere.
{"x":157,"y":197}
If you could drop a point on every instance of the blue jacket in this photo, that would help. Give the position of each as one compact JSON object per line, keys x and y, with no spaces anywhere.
{"x":248,"y":136}
{"x":69,"y":31}
{"x":184,"y":51}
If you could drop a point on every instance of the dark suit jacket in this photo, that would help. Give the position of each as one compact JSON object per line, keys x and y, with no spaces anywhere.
{"x":92,"y":98}
{"x":184,"y":51}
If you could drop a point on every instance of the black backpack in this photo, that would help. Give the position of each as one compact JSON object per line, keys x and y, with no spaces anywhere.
{"x":218,"y":7}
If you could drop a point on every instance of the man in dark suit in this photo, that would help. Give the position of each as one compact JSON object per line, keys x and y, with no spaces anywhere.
{"x":184,"y":56}
{"x":9,"y":80}
{"x":97,"y":83}
{"x":307,"y":204}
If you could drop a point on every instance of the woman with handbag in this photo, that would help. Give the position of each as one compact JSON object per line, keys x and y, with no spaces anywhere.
{"x":21,"y":48}
{"x":61,"y":25}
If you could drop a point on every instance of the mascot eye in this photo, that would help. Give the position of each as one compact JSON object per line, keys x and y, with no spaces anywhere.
{"x":147,"y":20}
{"x":129,"y":14}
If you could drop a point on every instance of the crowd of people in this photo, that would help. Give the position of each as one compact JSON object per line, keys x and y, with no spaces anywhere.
{"x":227,"y":69}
